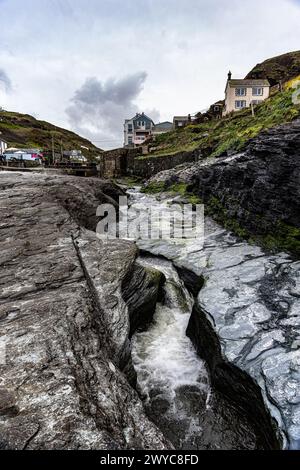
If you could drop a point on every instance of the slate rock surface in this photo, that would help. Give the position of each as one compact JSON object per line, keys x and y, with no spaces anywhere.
{"x":64,"y":323}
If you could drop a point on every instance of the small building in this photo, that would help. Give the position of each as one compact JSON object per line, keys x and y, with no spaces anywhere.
{"x":181,"y":121}
{"x":216,"y":110}
{"x":74,"y":156}
{"x":162,"y":128}
{"x":240,"y":94}
{"x":137,"y":130}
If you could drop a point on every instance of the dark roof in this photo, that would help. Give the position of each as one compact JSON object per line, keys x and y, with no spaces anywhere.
{"x":139,"y":116}
{"x":249,"y":82}
{"x":163,"y":125}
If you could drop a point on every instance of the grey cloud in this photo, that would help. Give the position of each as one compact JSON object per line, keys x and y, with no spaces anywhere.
{"x":120,"y":92}
{"x":99,"y":108}
{"x":5,"y":81}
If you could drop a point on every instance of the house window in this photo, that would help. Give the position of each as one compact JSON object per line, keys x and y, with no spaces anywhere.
{"x":257,"y":91}
{"x":240,"y":104}
{"x":255,"y":102}
{"x":240,"y":91}
{"x":129,"y":128}
{"x":130,"y":140}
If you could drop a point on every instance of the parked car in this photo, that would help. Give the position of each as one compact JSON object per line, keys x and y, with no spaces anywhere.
{"x":20,"y":157}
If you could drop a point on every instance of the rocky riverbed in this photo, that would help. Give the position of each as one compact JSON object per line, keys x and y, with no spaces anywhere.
{"x":256,"y":192}
{"x":175,"y":382}
{"x":246,"y":320}
{"x":82,"y":320}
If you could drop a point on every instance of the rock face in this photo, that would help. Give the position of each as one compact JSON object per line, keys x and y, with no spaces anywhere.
{"x":64,"y":324}
{"x":246,"y":323}
{"x":259,"y":188}
{"x":283,"y":67}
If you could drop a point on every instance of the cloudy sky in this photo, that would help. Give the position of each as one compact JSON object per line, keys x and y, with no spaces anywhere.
{"x":88,"y":64}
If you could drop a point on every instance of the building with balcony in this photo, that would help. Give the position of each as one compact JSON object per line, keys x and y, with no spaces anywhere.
{"x":240,"y":94}
{"x":137,"y":130}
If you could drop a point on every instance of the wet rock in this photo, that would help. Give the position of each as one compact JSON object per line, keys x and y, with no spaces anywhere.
{"x":259,"y":188}
{"x":250,"y":303}
{"x":175,"y":383}
{"x":7,"y":403}
{"x":141,"y":291}
{"x":64,"y":324}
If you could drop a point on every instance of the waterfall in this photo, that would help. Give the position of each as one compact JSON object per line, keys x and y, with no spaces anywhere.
{"x":170,"y":374}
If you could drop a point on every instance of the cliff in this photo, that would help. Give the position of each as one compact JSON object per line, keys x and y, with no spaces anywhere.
{"x":279,"y":68}
{"x":255,"y":193}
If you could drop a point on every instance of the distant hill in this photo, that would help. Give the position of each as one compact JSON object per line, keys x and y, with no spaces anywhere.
{"x":23,"y":130}
{"x":283,"y":67}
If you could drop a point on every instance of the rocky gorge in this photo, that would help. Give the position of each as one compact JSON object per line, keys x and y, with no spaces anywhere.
{"x":149,"y":345}
{"x":244,"y":323}
{"x":64,"y":323}
{"x":250,"y":300}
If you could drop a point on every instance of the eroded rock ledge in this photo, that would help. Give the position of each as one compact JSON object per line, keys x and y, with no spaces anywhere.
{"x":64,"y":323}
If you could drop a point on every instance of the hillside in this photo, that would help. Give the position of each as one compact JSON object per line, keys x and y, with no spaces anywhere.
{"x":230,"y":133}
{"x":23,"y":130}
{"x":283,"y":67}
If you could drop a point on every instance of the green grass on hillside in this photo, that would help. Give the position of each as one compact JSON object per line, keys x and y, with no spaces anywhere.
{"x":23,"y":130}
{"x":230,"y":133}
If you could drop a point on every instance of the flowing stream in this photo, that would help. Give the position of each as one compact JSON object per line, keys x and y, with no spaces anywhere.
{"x":172,"y":379}
{"x":170,"y":374}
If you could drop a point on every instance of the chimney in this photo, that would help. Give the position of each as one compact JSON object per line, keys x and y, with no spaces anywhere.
{"x":229,"y":75}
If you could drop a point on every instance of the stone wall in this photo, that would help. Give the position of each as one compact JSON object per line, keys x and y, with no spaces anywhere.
{"x":130,"y":162}
{"x":146,"y":167}
{"x":113,"y":163}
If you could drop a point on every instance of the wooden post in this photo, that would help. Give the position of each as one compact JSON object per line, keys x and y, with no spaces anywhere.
{"x":53,"y":153}
{"x":252,"y":109}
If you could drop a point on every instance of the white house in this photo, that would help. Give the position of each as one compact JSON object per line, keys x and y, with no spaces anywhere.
{"x":241,"y":94}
